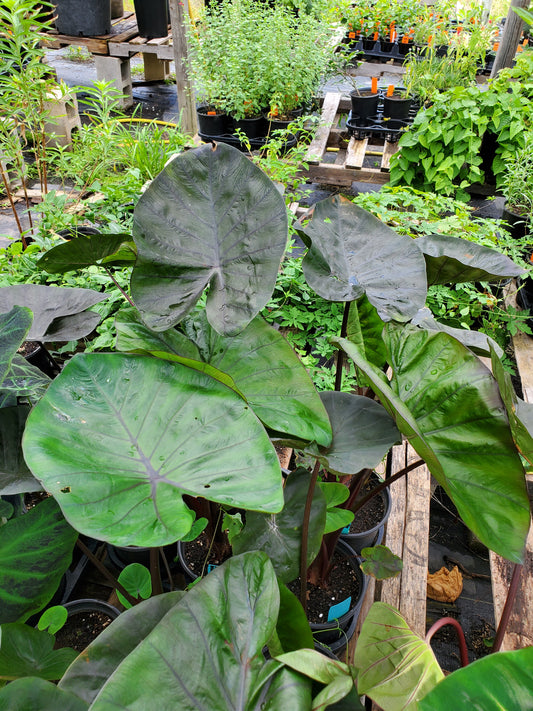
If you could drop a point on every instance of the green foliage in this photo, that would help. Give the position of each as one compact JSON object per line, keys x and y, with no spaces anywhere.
{"x":137,"y":581}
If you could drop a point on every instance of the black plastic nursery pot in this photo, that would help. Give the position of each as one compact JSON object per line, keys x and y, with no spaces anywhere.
{"x":518,"y":224}
{"x":374,"y":535}
{"x":364,"y":103}
{"x":79,"y":18}
{"x":397,"y":107}
{"x":337,"y":632}
{"x":212,"y":122}
{"x":87,"y":618}
{"x":255,"y":127}
{"x":152,"y":18}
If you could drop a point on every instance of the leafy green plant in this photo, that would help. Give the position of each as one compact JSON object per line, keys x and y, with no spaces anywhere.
{"x":517,"y":181}
{"x":441,"y":150}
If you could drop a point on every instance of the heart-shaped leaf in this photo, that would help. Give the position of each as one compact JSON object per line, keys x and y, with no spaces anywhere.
{"x":35,"y":551}
{"x":86,"y":250}
{"x":211,"y":217}
{"x":452,"y":260}
{"x":25,"y":651}
{"x":446,"y":402}
{"x":335,"y":495}
{"x":499,"y":681}
{"x":352,"y":253}
{"x":89,"y":672}
{"x":280,"y":535}
{"x":25,"y":380}
{"x":230,"y":614}
{"x":395,"y":667}
{"x":49,"y":303}
{"x":158,"y":430}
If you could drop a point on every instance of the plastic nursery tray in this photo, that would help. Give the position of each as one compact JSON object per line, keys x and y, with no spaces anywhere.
{"x":378,"y":127}
{"x":255,"y":143}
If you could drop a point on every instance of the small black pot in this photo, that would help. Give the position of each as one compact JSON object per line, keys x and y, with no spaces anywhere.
{"x":252,"y":127}
{"x":78,"y":610}
{"x":364,"y":104}
{"x":42,"y":359}
{"x":396,"y":107}
{"x":211,"y":124}
{"x":404,"y":47}
{"x":73,"y":232}
{"x":152,"y":18}
{"x":369,"y":43}
{"x":79,"y":18}
{"x":373,"y":536}
{"x":519,"y":225}
{"x":121,"y":556}
{"x":337,"y":633}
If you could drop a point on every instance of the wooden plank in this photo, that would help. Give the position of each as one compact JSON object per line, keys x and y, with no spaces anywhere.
{"x":355,"y":153}
{"x":415,"y":547}
{"x":389,"y":149}
{"x":394,"y":532}
{"x":339,"y":175}
{"x":318,"y":144}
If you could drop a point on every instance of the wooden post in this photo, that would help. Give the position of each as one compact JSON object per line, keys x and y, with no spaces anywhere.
{"x":184,"y":88}
{"x":510,"y":38}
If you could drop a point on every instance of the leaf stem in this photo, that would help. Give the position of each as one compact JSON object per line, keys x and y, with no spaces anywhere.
{"x":305,"y":534}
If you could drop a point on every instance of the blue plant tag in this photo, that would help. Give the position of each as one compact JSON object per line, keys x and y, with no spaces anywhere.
{"x":346,"y":529}
{"x":338,"y":610}
{"x":211,"y":567}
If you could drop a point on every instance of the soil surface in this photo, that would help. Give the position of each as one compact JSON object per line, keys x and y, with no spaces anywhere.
{"x":81,"y":629}
{"x":197,"y":554}
{"x":371,"y":513}
{"x":342,"y":583}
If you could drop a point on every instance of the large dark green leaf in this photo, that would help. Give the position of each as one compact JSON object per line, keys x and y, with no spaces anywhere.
{"x":261,"y":364}
{"x":210,"y":217}
{"x":479,"y":343}
{"x":135,"y":337}
{"x":25,"y":651}
{"x":446,"y":402}
{"x":364,"y":328}
{"x":353,"y":253}
{"x":86,"y":250}
{"x":395,"y":667}
{"x":293,"y":631}
{"x":280,"y":535}
{"x":206,"y":653}
{"x":89,"y":672}
{"x":15,"y":477}
{"x":14,"y":327}
{"x":520,"y":413}
{"x":35,"y":551}
{"x":451,"y":260}
{"x":118,"y":439}
{"x":51,"y":303}
{"x":363,"y":433}
{"x":32,"y":694}
{"x":499,"y":682}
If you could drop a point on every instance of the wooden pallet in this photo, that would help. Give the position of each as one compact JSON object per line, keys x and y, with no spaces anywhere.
{"x":122,"y":41}
{"x":347,"y":154}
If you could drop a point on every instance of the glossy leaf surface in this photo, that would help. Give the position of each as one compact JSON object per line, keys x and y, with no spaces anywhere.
{"x":14,"y":327}
{"x":446,"y":402}
{"x":499,"y":682}
{"x":33,"y":693}
{"x":25,"y":651}
{"x":119,"y":439}
{"x":211,"y":217}
{"x":452,"y":260}
{"x":90,"y":671}
{"x":35,"y":551}
{"x":353,"y":253}
{"x":478,"y":342}
{"x":395,"y":667}
{"x":86,"y":250}
{"x":231,"y":614}
{"x":363,"y":433}
{"x":280,"y":535}
{"x":57,"y":311}
{"x":260,"y":364}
